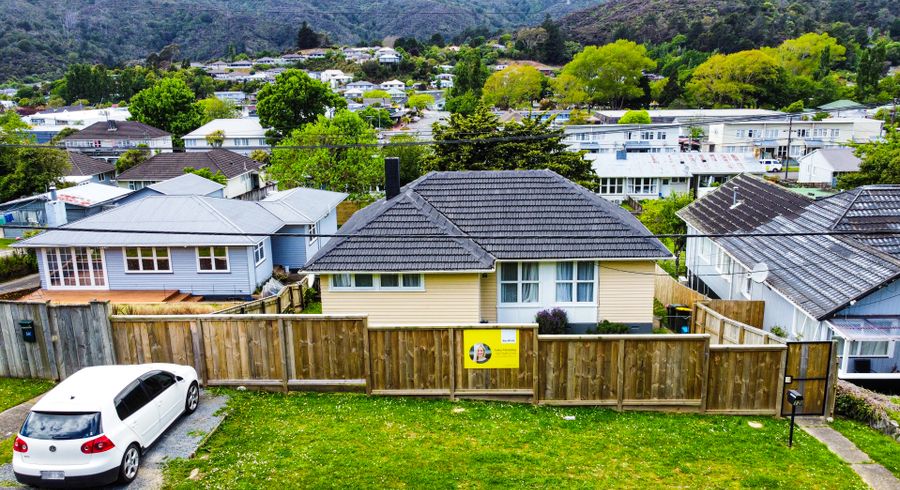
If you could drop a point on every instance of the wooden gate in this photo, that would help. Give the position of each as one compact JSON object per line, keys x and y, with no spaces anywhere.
{"x":808,"y":367}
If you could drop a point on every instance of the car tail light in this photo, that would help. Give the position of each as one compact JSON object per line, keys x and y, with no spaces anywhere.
{"x":20,"y":446}
{"x":98,"y":445}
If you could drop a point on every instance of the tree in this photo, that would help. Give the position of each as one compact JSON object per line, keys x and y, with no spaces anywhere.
{"x":56,"y":140}
{"x":437,"y":40}
{"x":197,"y":80}
{"x":26,"y":170}
{"x":553,"y":49}
{"x":741,"y":79}
{"x":412,"y":157}
{"x":420,"y":102}
{"x":871,"y":68}
{"x":470,"y":73}
{"x":354,"y":169}
{"x":216,"y":108}
{"x":808,"y":54}
{"x":659,"y":217}
{"x":216,"y":138}
{"x":533,"y":144}
{"x":794,"y":107}
{"x":261,"y":156}
{"x":206,"y":173}
{"x":513,"y":86}
{"x":168,"y":105}
{"x":465,"y":104}
{"x":131,"y":158}
{"x":609,"y":74}
{"x":292,"y":101}
{"x":376,"y":94}
{"x":307,"y":38}
{"x":880,"y":162}
{"x":82,"y":81}
{"x":377,"y":117}
{"x":636,"y":117}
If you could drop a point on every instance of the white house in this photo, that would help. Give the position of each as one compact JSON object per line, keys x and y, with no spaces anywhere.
{"x":397,"y":84}
{"x":387,"y":56}
{"x":693,"y":118}
{"x":236,"y":97}
{"x":335,"y":78}
{"x":241,"y":135}
{"x":815,"y":286}
{"x":606,"y":139}
{"x":108,"y":140}
{"x":769,"y":138}
{"x":824,"y":166}
{"x":45,"y":125}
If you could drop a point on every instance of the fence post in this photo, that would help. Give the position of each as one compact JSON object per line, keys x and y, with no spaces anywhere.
{"x":780,"y":383}
{"x":198,"y":343}
{"x":47,"y":340}
{"x":452,"y":364}
{"x":832,"y":381}
{"x":741,"y":334}
{"x":704,"y":383}
{"x":721,"y":329}
{"x":367,"y":356}
{"x":284,"y":356}
{"x":535,"y":355}
{"x":620,"y":376}
{"x":694,"y":322}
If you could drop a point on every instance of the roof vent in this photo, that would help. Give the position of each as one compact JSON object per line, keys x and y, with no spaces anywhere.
{"x":111,"y":125}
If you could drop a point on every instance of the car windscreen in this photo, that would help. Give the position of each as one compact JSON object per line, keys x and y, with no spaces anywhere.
{"x":61,"y":426}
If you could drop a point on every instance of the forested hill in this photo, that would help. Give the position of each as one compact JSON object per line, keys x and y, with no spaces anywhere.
{"x":730,"y":25}
{"x":42,"y":36}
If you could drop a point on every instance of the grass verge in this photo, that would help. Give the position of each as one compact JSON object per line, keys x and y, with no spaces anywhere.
{"x":14,"y":391}
{"x":350,"y":440}
{"x":313,"y":308}
{"x":6,"y":242}
{"x":881,"y":448}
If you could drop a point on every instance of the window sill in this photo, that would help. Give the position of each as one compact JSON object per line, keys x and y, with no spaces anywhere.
{"x":214,"y":272}
{"x":148,"y":272}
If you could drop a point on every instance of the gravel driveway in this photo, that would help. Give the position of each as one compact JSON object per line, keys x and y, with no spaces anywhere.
{"x":179,"y":441}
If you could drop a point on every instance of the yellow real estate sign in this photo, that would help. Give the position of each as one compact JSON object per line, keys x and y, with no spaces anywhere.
{"x":491,"y":349}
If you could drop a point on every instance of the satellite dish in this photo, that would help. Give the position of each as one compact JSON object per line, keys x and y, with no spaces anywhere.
{"x":760,"y":272}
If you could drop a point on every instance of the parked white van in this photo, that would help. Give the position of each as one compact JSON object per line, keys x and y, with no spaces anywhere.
{"x":772,"y":165}
{"x":92,"y":428}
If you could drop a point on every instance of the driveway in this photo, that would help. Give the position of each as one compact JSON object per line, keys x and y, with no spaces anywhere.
{"x":27,"y":282}
{"x":181,"y":440}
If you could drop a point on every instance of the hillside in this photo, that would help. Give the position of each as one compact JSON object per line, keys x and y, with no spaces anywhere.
{"x":42,"y":36}
{"x":730,"y":25}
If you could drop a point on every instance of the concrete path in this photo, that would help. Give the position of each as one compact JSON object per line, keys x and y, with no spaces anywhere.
{"x":11,"y":419}
{"x":180,"y":440}
{"x":875,"y":475}
{"x":27,"y":282}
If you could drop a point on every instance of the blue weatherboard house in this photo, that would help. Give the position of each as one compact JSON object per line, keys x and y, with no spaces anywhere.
{"x":204,"y":246}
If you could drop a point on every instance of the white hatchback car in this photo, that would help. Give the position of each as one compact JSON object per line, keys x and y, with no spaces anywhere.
{"x":92,"y":428}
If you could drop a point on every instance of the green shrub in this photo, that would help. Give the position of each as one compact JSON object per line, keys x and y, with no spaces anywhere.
{"x":607,"y":327}
{"x":17,"y":265}
{"x":552,"y":322}
{"x":853,"y":407}
{"x":776,"y":330}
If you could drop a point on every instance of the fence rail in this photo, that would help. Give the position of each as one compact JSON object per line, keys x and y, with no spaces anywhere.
{"x":325,"y":352}
{"x":726,"y":330}
{"x":289,"y":300}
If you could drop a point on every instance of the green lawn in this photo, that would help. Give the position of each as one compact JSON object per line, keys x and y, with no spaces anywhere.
{"x":881,"y":448}
{"x":14,"y":391}
{"x":354,"y":441}
{"x":313,"y":308}
{"x":6,"y":242}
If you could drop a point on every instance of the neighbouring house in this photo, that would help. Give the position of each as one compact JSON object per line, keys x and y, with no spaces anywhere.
{"x":243,"y":173}
{"x":824,"y":166}
{"x":184,"y":185}
{"x":659,"y":175}
{"x":335,"y":78}
{"x":205,"y":246}
{"x":58,"y":207}
{"x":240,"y":136}
{"x":362,"y":85}
{"x":46,"y":124}
{"x":844,"y":108}
{"x":304,"y":211}
{"x":605,"y":140}
{"x":109,"y":139}
{"x":393,"y":84}
{"x":769,"y":138}
{"x":815,"y":286}
{"x":236,"y":97}
{"x":84,"y":169}
{"x":387,"y":56}
{"x":496,"y":246}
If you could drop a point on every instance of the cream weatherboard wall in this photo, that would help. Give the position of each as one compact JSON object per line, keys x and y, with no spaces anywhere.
{"x":489,"y":297}
{"x":625,"y":292}
{"x":447,"y":298}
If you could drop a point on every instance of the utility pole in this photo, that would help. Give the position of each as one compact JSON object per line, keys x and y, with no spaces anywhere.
{"x":787,"y":153}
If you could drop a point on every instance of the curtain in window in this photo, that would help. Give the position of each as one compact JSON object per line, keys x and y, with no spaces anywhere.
{"x":563,"y":282}
{"x":341,"y":280}
{"x":529,"y":283}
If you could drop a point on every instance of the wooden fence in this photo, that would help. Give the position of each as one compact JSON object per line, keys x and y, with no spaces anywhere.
{"x":668,"y":291}
{"x":289,"y":300}
{"x":726,"y":330}
{"x":746,"y":312}
{"x":67,"y":338}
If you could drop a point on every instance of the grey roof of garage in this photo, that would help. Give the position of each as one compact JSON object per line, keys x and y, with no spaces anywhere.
{"x":819,"y":273}
{"x":467,"y":220}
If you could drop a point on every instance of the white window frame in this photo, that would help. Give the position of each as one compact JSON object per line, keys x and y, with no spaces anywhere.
{"x":853,"y":352}
{"x":724,"y":264}
{"x":574,"y":282}
{"x":638,"y":185}
{"x":747,"y":284}
{"x":612,"y":185}
{"x":212,"y":257}
{"x":59,"y":270}
{"x":519,"y":284}
{"x":313,"y":230}
{"x":259,"y":252}
{"x":376,"y":283}
{"x":141,"y":259}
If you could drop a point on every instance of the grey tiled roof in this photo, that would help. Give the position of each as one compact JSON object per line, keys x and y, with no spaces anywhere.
{"x":186,"y":185}
{"x":474,"y":218}
{"x":821,"y":274}
{"x":168,"y":165}
{"x":83,"y":165}
{"x":117,"y":130}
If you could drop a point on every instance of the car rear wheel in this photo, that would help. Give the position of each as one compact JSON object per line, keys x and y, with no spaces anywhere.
{"x":193,"y":398}
{"x":131,"y":461}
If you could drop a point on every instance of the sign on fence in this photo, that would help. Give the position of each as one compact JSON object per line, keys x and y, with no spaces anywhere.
{"x":488,"y":349}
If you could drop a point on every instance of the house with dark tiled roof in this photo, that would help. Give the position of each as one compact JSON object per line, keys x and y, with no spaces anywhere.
{"x":84,"y":169}
{"x":109,"y":139}
{"x":827,"y":268}
{"x":243,"y":173}
{"x":490,"y":246}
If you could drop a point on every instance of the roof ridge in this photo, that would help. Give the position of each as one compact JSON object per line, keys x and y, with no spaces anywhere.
{"x":858,"y":192}
{"x":215,"y":211}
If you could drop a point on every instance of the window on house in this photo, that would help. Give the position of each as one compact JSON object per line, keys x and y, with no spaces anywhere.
{"x":389,"y":282}
{"x":723,"y":264}
{"x":575,"y":282}
{"x":240,"y":142}
{"x":870,"y":348}
{"x":147,"y":259}
{"x":259,"y":252}
{"x":660,"y":135}
{"x":75,"y":267}
{"x":802,"y":133}
{"x":740,"y":133}
{"x":642,"y":185}
{"x":752,"y":133}
{"x":212,"y":259}
{"x":611,"y":186}
{"x":519,"y":282}
{"x":313,"y":230}
{"x":835,"y":133}
{"x":771,"y":133}
{"x":747,"y":284}
{"x":705,"y":248}
{"x":646,"y":135}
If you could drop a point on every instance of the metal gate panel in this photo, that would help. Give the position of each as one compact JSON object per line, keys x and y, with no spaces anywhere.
{"x":808,"y":366}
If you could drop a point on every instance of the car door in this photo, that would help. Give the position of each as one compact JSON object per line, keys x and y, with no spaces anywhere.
{"x":134,"y":407}
{"x":169,"y":401}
